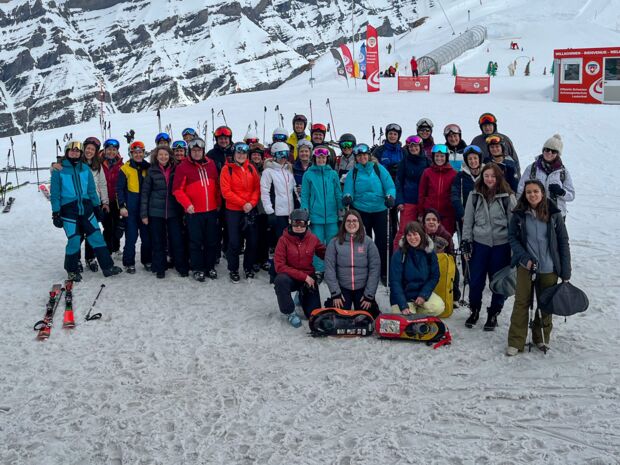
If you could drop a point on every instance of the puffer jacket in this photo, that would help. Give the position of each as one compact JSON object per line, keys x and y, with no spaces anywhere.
{"x":283,"y":182}
{"x":390,"y":156}
{"x":101,"y":184}
{"x":197,"y":184}
{"x":221,"y":156}
{"x":129,"y":185}
{"x":72,"y":190}
{"x":408,"y":178}
{"x":368,"y":190}
{"x":299,"y":172}
{"x":240,"y":184}
{"x":157,"y":199}
{"x":413,"y":274}
{"x":487,"y":223}
{"x":435,"y":187}
{"x":293,"y":140}
{"x":462,"y":186}
{"x":352,"y":265}
{"x":509,"y":149}
{"x":550,"y":175}
{"x":293,"y":255}
{"x":557,"y":240}
{"x":321,"y":194}
{"x":111,"y":169}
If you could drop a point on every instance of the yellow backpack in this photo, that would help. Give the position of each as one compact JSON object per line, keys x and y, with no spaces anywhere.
{"x":445,"y":286}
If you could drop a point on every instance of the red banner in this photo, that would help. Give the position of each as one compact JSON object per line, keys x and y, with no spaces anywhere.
{"x":348,"y":59}
{"x":372,"y":59}
{"x":472,"y":85}
{"x":422,"y":83}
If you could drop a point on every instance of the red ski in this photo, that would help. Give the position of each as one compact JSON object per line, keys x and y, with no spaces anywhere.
{"x":45,"y":325}
{"x":68,"y":321}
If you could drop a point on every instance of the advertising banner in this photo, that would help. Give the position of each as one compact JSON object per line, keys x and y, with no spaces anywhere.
{"x":421,"y":83}
{"x":372,"y":60}
{"x":472,"y":85}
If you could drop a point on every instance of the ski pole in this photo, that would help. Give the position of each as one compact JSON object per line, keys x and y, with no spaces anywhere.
{"x":264,"y":121}
{"x":159,"y":119}
{"x":14,"y":162}
{"x":205,"y":129}
{"x":96,"y":316}
{"x":213,"y":123}
{"x":531,"y":306}
{"x":36,"y":159}
{"x":223,"y":116}
{"x":276,"y":110}
{"x":373,"y":134}
{"x":256,"y":126}
{"x":168,"y":130}
{"x":387,"y":253}
{"x":331,"y":116}
{"x":311,"y":117}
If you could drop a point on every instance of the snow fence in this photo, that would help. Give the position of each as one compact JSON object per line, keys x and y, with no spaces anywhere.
{"x":432,"y":62}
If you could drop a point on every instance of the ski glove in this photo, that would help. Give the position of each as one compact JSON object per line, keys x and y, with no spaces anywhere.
{"x":389,"y":201}
{"x":466,"y":248}
{"x":56,"y":219}
{"x":556,"y":191}
{"x":347,"y":200}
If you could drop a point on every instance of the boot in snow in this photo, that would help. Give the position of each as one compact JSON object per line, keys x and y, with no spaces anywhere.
{"x":112,"y":271}
{"x":491,"y":322}
{"x":473,"y":318}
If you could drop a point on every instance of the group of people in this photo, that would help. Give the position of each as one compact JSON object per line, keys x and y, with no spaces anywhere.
{"x":307,"y":213}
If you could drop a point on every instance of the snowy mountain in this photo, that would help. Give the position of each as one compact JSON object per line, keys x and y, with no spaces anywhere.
{"x":61,"y":60}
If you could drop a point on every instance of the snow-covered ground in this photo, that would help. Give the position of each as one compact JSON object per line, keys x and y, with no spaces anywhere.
{"x":179,"y":372}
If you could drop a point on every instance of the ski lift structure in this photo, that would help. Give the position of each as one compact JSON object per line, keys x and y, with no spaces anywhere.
{"x":432,"y":62}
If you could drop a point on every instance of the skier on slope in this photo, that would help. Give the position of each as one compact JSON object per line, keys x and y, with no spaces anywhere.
{"x":75,"y":208}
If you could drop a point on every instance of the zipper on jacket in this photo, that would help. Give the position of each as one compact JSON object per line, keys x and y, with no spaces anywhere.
{"x":78,"y":190}
{"x":352,"y":264}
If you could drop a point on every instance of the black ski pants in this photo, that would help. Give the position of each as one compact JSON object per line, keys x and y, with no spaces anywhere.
{"x":376,"y":227}
{"x":167,"y":232}
{"x":203,"y":236}
{"x":309,"y":297}
{"x":110,"y":223}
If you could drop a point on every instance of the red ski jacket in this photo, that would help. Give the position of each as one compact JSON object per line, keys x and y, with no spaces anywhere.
{"x":294,"y":255}
{"x":240,"y":185}
{"x":435,"y":186}
{"x":197,"y":184}
{"x":111,"y":176}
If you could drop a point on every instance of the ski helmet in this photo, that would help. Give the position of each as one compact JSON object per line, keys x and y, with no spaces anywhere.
{"x":250,"y":137}
{"x":197,"y":142}
{"x":73,"y":144}
{"x":179,"y":144}
{"x":94,"y":141}
{"x":189,"y":131}
{"x":451,"y":129}
{"x":361,"y":149}
{"x":162,"y":136}
{"x":280,"y":150}
{"x":299,"y":214}
{"x":223,"y":131}
{"x":318,"y":127}
{"x":425,"y":123}
{"x":301,"y":118}
{"x":305,"y":143}
{"x":394,"y":128}
{"x":111,"y":143}
{"x":469,"y":150}
{"x":347,"y":141}
{"x":488,"y":118}
{"x":279,"y":135}
{"x":137,"y":145}
{"x":416,"y":140}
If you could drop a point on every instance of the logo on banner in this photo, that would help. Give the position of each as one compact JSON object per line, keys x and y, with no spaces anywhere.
{"x":596,"y":90}
{"x":417,"y":84}
{"x":373,"y":80}
{"x":372,"y":42}
{"x":592,"y":68}
{"x":347,"y":62}
{"x":476,"y":85}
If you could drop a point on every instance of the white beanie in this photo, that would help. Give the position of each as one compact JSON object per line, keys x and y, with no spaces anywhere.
{"x":554,"y":143}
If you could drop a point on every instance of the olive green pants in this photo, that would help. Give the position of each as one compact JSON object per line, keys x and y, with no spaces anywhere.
{"x":517,"y":334}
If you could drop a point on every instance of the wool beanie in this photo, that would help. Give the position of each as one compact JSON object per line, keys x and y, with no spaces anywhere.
{"x":554,"y":143}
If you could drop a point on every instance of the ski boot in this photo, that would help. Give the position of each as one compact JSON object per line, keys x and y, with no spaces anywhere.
{"x":147,"y":266}
{"x":491,"y":322}
{"x":249,"y":274}
{"x":92,"y":265}
{"x":74,"y":276}
{"x":234,"y":277}
{"x":199,"y":276}
{"x":130,"y":269}
{"x":294,"y":320}
{"x":112,"y":271}
{"x":256,"y":268}
{"x":161,"y":274}
{"x":473,"y":318}
{"x":212,"y":274}
{"x":80,"y":267}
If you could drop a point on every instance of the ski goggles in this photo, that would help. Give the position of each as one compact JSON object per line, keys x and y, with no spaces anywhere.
{"x":111,"y":143}
{"x":451,"y":129}
{"x":321,"y":152}
{"x":179,"y":144}
{"x":319,"y":127}
{"x":73,"y":145}
{"x":347,"y":144}
{"x":162,"y":136}
{"x":393,"y":127}
{"x":190,"y":131}
{"x":472,"y":149}
{"x":92,"y":140}
{"x":440,"y":148}
{"x":196,"y":143}
{"x":242,"y":148}
{"x":137,"y":146}
{"x":299,"y":223}
{"x":253,"y":140}
{"x":222,"y":131}
{"x":361,"y":149}
{"x":494,"y":139}
{"x":487,"y":118}
{"x":280,"y":137}
{"x":424,"y":129}
{"x":281,"y":154}
{"x":414,"y":140}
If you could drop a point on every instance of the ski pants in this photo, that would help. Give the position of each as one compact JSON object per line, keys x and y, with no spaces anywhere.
{"x":434,"y":306}
{"x":277,"y":224}
{"x":203,"y":236}
{"x":134,"y":227}
{"x":167,"y":232}
{"x":263,"y":234}
{"x":75,"y":227}
{"x":325,"y":233}
{"x":352,"y":300}
{"x":409,"y":214}
{"x":110,"y":223}
{"x":309,"y":297}
{"x":486,"y":261}
{"x":517,"y":334}
{"x":376,"y":227}
{"x":234,"y":224}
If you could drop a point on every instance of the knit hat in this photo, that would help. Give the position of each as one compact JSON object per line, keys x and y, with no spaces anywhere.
{"x":554,"y":143}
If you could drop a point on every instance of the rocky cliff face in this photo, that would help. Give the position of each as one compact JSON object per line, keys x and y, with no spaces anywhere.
{"x":62,"y":60}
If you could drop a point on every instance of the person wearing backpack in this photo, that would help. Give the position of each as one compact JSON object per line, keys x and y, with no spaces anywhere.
{"x":549,"y":169}
{"x":370,"y":190}
{"x":539,"y":243}
{"x":485,"y":239}
{"x":464,"y":182}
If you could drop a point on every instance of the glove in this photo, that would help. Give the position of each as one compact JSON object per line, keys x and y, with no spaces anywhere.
{"x":556,"y":191}
{"x":466,"y":248}
{"x":120,"y":229}
{"x":347,"y":200}
{"x":56,"y":219}
{"x":272,"y":221}
{"x":98,"y":213}
{"x":389,"y":201}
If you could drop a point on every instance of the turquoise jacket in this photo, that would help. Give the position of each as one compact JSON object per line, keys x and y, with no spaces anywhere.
{"x":368,"y":186}
{"x":73,"y":191}
{"x":321,"y":194}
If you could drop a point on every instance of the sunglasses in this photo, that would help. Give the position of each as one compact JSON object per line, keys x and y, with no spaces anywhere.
{"x":242,"y":148}
{"x":280,"y":137}
{"x":298,"y":223}
{"x":361,"y":149}
{"x":321,"y":152}
{"x":111,"y":143}
{"x":281,"y":154}
{"x":555,"y":152}
{"x":346,"y":145}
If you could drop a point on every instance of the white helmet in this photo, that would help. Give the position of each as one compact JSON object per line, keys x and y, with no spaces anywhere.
{"x":280,"y":148}
{"x":279,"y":135}
{"x":305,"y":143}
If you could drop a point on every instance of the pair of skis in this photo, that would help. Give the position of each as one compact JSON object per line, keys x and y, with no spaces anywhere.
{"x":9,"y":204}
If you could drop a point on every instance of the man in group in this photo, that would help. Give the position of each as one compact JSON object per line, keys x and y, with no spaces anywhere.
{"x":488,"y":126}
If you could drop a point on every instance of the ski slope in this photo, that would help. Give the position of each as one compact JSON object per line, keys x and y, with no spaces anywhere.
{"x":180,"y":372}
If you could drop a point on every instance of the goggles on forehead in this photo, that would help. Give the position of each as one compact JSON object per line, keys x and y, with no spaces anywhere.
{"x":136,"y":146}
{"x":179,"y":144}
{"x":242,"y":148}
{"x":361,"y":149}
{"x":111,"y":143}
{"x":487,"y":118}
{"x":223,"y":131}
{"x":73,"y":145}
{"x":319,"y":127}
{"x":416,"y":140}
{"x":251,"y":141}
{"x":472,"y":149}
{"x":440,"y":148}
{"x":196,"y":143}
{"x":280,"y":137}
{"x":451,"y":129}
{"x":299,"y":223}
{"x":493,"y":140}
{"x":190,"y":131}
